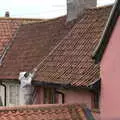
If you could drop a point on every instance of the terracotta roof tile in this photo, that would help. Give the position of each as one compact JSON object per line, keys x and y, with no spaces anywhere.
{"x":8,"y":27}
{"x":71,"y":61}
{"x":32,"y":43}
{"x":44,"y":112}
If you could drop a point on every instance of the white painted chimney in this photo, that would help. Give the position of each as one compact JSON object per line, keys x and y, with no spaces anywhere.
{"x":76,"y":8}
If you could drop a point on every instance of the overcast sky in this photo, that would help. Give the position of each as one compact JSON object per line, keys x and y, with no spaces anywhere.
{"x":38,"y":8}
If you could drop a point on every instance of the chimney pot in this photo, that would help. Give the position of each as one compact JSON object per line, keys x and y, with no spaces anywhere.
{"x":7,"y":14}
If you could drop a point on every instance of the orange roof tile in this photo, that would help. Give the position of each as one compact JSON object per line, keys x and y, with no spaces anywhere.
{"x":8,"y":27}
{"x":45,"y":112}
{"x":71,"y":61}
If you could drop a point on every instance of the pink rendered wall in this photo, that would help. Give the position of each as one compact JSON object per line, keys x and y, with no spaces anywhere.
{"x":110,"y":74}
{"x":78,"y":96}
{"x":70,"y":96}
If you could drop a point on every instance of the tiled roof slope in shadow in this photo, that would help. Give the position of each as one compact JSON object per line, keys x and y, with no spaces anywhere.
{"x":32,"y":43}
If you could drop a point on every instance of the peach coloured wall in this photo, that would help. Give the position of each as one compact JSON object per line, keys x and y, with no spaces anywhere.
{"x":110,"y":74}
{"x":78,"y":96}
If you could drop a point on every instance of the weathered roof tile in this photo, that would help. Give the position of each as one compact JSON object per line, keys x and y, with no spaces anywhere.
{"x":32,"y":43}
{"x":71,"y":61}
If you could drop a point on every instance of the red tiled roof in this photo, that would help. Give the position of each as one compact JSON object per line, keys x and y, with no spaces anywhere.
{"x":44,"y":112}
{"x":71,"y":61}
{"x":32,"y":43}
{"x":8,"y":27}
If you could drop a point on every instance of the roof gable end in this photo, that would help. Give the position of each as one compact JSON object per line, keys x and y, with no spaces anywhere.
{"x":100,"y":49}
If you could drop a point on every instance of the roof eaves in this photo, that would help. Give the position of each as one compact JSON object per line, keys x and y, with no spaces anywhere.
{"x":94,"y":82}
{"x":99,"y":51}
{"x":59,"y":85}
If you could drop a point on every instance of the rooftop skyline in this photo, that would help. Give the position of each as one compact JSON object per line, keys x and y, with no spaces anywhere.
{"x":38,"y":8}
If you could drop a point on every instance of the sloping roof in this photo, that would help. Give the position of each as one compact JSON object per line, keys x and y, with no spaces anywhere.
{"x":32,"y":43}
{"x":71,"y":61}
{"x":99,"y":51}
{"x":46,"y":112}
{"x":8,"y":27}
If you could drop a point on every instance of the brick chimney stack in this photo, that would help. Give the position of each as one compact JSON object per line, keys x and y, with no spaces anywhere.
{"x":75,"y":8}
{"x":7,"y":14}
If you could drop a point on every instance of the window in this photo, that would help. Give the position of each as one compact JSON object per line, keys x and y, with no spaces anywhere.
{"x":1,"y":103}
{"x":59,"y":97}
{"x":13,"y":94}
{"x":49,"y":96}
{"x":2,"y":95}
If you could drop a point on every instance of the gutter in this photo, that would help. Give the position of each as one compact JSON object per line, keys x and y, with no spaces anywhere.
{"x":5,"y":95}
{"x":93,"y":83}
{"x":99,"y":50}
{"x":58,"y":85}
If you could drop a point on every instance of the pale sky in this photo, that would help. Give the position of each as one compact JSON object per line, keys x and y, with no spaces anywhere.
{"x":38,"y":8}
